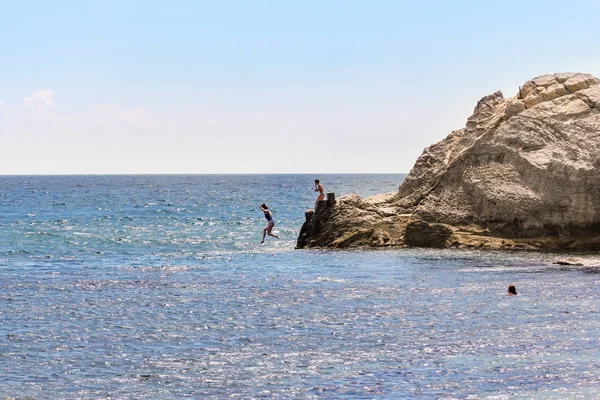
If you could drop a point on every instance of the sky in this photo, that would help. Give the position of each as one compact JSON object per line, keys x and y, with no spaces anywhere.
{"x":340,"y":86}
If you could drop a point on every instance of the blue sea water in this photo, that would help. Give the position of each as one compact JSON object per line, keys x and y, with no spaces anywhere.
{"x":156,"y":287}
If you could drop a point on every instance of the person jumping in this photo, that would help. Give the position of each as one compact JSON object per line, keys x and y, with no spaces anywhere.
{"x":270,"y":223}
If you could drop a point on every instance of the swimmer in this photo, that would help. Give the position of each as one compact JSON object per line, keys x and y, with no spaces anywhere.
{"x":270,"y":223}
{"x":512,"y":290}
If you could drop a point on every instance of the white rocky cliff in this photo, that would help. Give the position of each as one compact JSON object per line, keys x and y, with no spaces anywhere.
{"x":524,"y":172}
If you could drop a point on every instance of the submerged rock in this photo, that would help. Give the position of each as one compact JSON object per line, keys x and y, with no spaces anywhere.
{"x":523,"y":173}
{"x":569,"y":261}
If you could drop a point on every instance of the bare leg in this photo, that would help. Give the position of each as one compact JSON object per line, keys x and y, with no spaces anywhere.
{"x":264,"y":234}
{"x":321,"y":197}
{"x":268,"y":228}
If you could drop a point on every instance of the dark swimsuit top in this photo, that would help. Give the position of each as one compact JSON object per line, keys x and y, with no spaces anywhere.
{"x":268,"y":216}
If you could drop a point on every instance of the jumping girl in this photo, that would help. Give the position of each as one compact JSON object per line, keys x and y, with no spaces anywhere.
{"x":270,"y":222}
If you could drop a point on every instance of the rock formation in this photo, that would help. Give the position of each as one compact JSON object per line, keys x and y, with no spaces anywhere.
{"x":523,"y":173}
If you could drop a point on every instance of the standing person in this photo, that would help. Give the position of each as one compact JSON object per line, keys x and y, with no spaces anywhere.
{"x":319,"y":188}
{"x":270,"y":222}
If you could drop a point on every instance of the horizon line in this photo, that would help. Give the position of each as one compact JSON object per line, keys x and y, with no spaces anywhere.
{"x":201,"y":173}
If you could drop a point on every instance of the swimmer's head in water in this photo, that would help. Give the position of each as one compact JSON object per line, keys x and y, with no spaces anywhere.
{"x":512,"y":289}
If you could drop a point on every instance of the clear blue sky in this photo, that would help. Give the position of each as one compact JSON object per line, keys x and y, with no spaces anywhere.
{"x":264,"y":86}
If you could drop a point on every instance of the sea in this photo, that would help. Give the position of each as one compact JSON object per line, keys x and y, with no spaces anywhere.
{"x":157,"y":287}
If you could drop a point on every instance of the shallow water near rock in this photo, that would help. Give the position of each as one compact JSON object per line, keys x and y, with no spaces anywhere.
{"x":157,"y":287}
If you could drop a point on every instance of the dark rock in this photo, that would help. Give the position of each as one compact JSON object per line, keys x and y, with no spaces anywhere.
{"x":423,"y":234}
